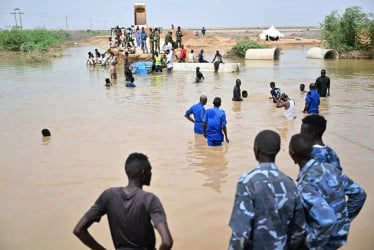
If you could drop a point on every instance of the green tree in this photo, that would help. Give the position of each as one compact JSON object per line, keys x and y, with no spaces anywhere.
{"x":354,"y":30}
{"x":352,"y":20}
{"x":241,"y":48}
{"x":330,"y":30}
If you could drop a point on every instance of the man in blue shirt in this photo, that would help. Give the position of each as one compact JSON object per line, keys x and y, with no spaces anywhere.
{"x":314,"y":126}
{"x":330,"y":199}
{"x":312,"y":100}
{"x":214,"y":124}
{"x":267,"y":213}
{"x":198,"y":112}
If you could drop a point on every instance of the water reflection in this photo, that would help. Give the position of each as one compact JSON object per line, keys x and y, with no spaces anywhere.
{"x":209,"y":161}
{"x":95,"y":127}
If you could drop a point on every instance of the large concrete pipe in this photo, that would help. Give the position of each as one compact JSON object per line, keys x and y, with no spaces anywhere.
{"x":262,"y":54}
{"x":320,"y":53}
{"x":206,"y":67}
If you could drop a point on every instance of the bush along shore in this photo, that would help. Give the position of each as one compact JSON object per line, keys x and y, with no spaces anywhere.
{"x":34,"y":44}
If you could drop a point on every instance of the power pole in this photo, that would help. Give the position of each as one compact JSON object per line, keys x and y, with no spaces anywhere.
{"x":17,"y":11}
{"x":15,"y":17}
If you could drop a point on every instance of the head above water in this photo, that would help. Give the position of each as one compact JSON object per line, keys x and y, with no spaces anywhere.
{"x":314,"y":126}
{"x":217,"y":102}
{"x":312,"y":85}
{"x":267,"y":144}
{"x":238,"y":82}
{"x":323,"y":72}
{"x":46,"y":132}
{"x":272,"y":85}
{"x":302,"y":87}
{"x":197,"y":68}
{"x":138,"y":167}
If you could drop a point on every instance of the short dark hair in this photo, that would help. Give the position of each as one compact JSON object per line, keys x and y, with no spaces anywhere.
{"x":46,"y":132}
{"x":316,"y":124}
{"x":268,"y":142}
{"x":135,"y":163}
{"x":272,"y":84}
{"x":217,"y":102}
{"x":301,"y":145}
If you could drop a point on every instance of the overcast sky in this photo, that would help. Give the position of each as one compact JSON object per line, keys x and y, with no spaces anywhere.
{"x":103,"y":14}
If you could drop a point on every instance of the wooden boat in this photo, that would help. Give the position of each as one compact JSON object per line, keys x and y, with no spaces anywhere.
{"x":206,"y":67}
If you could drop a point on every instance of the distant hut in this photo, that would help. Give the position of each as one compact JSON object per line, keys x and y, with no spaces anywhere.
{"x":140,"y":14}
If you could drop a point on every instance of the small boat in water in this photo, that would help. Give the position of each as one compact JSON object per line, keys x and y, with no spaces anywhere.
{"x":141,"y":67}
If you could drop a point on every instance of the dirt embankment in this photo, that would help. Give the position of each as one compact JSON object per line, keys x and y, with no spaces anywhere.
{"x":224,"y":39}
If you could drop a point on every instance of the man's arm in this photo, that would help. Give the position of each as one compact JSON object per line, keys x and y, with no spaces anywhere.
{"x":241,"y":218}
{"x":188,"y":117}
{"x":320,"y":216}
{"x":281,"y":104}
{"x":166,"y":239}
{"x":204,"y":129}
{"x":307,"y":102}
{"x":356,"y":197}
{"x":328,"y":87}
{"x":297,"y":233}
{"x":81,"y":231}
{"x":224,"y":129}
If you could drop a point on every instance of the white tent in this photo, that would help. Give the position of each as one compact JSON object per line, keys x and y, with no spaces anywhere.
{"x":272,"y":33}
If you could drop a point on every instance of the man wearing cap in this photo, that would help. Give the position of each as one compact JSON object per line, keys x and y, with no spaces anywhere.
{"x":267,"y":212}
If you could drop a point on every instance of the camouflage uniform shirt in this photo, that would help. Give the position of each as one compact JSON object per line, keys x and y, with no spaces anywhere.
{"x":326,"y":154}
{"x":323,"y":189}
{"x":267,"y":212}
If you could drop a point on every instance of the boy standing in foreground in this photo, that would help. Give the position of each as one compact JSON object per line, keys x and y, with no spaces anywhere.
{"x":131,"y":212}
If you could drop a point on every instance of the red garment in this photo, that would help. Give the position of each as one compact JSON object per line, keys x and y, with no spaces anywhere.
{"x":183,"y":54}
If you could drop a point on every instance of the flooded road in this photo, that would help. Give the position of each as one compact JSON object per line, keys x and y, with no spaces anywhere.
{"x":47,"y":184}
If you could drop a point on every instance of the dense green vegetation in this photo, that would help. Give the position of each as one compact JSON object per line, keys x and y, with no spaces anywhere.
{"x":40,"y":40}
{"x":241,"y":47}
{"x":354,"y":30}
{"x":30,"y":40}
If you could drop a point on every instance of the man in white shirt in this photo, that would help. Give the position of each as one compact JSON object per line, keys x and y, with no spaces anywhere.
{"x":169,"y":60}
{"x":288,"y":105}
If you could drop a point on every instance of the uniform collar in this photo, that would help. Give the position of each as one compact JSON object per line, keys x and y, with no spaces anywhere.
{"x":270,"y":165}
{"x":304,"y":170}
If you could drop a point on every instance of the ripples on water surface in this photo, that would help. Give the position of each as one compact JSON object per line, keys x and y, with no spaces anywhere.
{"x":94,"y":129}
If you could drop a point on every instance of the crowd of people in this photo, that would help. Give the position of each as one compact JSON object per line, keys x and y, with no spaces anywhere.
{"x":320,"y":88}
{"x":163,"y":54}
{"x":270,"y":210}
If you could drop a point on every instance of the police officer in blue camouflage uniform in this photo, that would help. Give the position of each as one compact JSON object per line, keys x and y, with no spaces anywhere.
{"x":314,"y":126}
{"x":331,"y":200}
{"x":267,"y":212}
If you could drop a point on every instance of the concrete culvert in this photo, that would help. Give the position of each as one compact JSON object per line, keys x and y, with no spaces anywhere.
{"x":319,"y":53}
{"x":262,"y":54}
